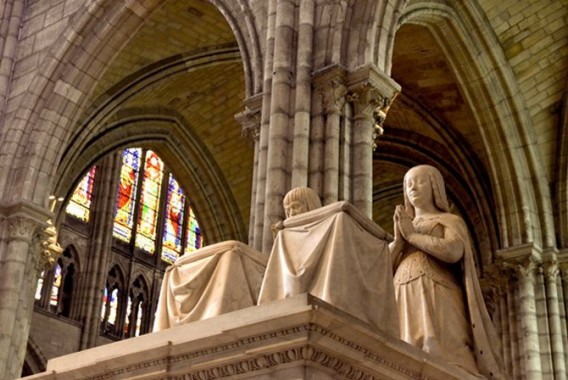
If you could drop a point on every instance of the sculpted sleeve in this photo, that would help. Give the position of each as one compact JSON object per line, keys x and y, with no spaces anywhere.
{"x":449,"y":248}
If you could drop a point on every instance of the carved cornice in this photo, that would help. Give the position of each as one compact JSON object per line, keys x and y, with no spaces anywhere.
{"x":298,"y":332}
{"x":305,"y":353}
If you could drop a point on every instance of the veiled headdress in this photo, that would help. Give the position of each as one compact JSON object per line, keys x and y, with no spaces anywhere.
{"x":438,"y":188}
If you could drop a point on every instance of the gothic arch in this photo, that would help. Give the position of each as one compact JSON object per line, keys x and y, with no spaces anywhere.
{"x":490,"y":90}
{"x":193,"y":165}
{"x":472,"y":205}
{"x":561,"y":185}
{"x":60,"y":89}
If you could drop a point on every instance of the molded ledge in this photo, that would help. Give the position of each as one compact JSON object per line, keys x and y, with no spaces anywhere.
{"x":297,"y":338}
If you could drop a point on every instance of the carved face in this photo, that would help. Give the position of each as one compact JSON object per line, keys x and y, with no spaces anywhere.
{"x":418,"y":188}
{"x":295,"y":208}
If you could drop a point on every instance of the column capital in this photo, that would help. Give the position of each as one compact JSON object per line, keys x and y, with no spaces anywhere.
{"x":372,"y":93}
{"x":551,"y":270}
{"x":250,"y":118}
{"x":525,"y":269}
{"x":329,"y":82}
{"x":22,"y":228}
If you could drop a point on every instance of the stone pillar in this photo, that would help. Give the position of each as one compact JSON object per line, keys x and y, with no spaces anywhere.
{"x":563,"y":295}
{"x":554,"y":322}
{"x":250,"y":123}
{"x":514,"y":329}
{"x":23,"y":253}
{"x":371,"y":93}
{"x":302,"y":114}
{"x":526,"y":272}
{"x":99,"y":247}
{"x":330,"y":84}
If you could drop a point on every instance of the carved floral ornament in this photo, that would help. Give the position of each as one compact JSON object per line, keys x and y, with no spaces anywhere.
{"x":250,"y":123}
{"x":369,"y":102}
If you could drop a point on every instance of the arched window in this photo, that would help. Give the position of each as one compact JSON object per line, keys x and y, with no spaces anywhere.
{"x":55,"y":287}
{"x":159,"y":208}
{"x":126,"y":198}
{"x":136,"y":316}
{"x":112,"y":303}
{"x":79,"y":204}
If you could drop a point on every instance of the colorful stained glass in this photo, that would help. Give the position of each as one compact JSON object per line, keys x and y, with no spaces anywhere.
{"x":138,"y":320}
{"x":80,"y":203}
{"x":39,"y":286}
{"x":124,"y":211}
{"x":149,"y":202}
{"x":194,"y":239}
{"x":104,"y":307}
{"x":128,"y":315}
{"x":57,"y":278}
{"x":113,"y":305}
{"x":171,"y":242}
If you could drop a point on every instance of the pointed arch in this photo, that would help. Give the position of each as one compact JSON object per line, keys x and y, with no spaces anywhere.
{"x":488,"y":85}
{"x":166,"y":132}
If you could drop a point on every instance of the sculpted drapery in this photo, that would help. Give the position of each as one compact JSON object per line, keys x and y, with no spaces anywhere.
{"x":440,"y":304}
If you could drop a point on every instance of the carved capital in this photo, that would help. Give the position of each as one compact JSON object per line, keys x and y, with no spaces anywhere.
{"x":526,"y":270}
{"x":334,"y":95}
{"x":250,"y":124}
{"x":551,"y":271}
{"x":366,"y":99}
{"x":21,"y":228}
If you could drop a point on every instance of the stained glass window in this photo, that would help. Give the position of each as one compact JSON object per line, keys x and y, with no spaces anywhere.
{"x":138,"y":320}
{"x":194,"y":238}
{"x":125,"y":202}
{"x":149,"y":202}
{"x":113,"y":306}
{"x":57,"y":277}
{"x":39,"y":286}
{"x":80,"y":203}
{"x":171,"y":242}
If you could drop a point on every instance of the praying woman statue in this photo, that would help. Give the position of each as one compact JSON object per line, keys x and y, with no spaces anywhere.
{"x":440,"y":304}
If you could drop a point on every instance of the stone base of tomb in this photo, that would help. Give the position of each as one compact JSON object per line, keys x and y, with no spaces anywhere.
{"x":296,"y":338}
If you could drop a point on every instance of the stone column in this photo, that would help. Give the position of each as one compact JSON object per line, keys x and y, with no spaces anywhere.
{"x":371,"y":93}
{"x":331,"y":86}
{"x":301,"y":147}
{"x":554,"y":322}
{"x":99,"y":247}
{"x":526,"y":272}
{"x":19,"y":260}
{"x":250,"y":123}
{"x":563,"y":295}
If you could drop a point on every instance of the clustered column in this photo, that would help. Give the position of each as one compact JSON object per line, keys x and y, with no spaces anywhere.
{"x":27,"y":247}
{"x":103,"y":217}
{"x":529,"y":312}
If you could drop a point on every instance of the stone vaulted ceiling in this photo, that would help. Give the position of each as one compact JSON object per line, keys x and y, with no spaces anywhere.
{"x":209,"y":93}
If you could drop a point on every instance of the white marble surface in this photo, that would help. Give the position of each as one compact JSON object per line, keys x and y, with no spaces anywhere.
{"x":211,"y":281}
{"x":300,"y":337}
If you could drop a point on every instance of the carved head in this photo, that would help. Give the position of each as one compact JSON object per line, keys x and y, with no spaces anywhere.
{"x":300,"y":200}
{"x":423,"y":185}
